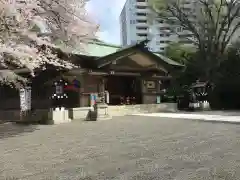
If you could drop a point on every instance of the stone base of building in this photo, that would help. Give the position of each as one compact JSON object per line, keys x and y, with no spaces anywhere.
{"x":46,"y":116}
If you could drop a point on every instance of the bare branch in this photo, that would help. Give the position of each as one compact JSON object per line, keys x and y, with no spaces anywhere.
{"x":215,"y":24}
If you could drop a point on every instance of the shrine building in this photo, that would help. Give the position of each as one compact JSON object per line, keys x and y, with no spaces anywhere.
{"x":130,"y":75}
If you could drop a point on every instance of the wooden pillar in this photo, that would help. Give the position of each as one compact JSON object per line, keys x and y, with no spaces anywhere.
{"x":101,"y":88}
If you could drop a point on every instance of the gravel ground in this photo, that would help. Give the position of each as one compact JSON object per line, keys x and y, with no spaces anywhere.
{"x":138,"y":148}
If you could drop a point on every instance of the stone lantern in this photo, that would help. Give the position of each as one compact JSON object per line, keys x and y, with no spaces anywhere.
{"x":200,"y":89}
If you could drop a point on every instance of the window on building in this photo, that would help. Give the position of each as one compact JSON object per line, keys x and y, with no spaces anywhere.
{"x":164,"y":28}
{"x":164,"y":35}
{"x":162,"y":49}
{"x":141,"y":7}
{"x":185,"y":35}
{"x":141,"y":21}
{"x":142,"y":34}
{"x":132,"y":21}
{"x":141,"y":28}
{"x":141,"y":14}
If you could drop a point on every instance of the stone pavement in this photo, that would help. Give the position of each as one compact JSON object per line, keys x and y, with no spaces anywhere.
{"x":214,"y":116}
{"x":222,"y":113}
{"x":125,"y":148}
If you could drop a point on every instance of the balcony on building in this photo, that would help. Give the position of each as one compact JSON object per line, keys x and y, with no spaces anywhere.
{"x":141,"y":3}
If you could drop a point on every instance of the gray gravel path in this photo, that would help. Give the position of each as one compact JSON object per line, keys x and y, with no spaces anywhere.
{"x":138,"y":148}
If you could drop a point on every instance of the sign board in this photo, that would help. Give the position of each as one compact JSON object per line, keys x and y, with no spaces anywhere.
{"x":59,"y":89}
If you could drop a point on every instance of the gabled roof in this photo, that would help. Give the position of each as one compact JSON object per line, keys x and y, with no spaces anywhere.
{"x":121,"y":53}
{"x":103,"y":51}
{"x":138,"y":48}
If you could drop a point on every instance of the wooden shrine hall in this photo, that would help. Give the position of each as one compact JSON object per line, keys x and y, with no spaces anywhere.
{"x":130,"y":75}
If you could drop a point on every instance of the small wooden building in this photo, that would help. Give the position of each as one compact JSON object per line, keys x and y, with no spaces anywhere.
{"x":123,"y":72}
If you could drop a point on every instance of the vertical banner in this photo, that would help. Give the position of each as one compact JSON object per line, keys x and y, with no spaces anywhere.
{"x":25,"y":98}
{"x":91,"y":99}
{"x":28,"y":97}
{"x":22,"y":99}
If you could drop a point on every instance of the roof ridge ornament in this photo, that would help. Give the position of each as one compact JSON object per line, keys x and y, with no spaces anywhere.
{"x":143,"y":44}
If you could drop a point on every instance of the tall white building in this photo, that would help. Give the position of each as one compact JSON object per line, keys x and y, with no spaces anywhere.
{"x":139,"y":23}
{"x":134,"y":22}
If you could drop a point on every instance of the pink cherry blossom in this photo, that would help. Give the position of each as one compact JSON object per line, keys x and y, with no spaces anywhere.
{"x":27,"y":24}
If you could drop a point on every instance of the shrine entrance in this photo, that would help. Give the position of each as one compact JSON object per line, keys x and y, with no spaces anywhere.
{"x":124,"y":90}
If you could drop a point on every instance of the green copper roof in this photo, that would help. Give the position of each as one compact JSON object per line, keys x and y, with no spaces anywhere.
{"x":100,"y":49}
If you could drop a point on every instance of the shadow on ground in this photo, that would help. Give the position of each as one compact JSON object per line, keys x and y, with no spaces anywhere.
{"x":12,"y":129}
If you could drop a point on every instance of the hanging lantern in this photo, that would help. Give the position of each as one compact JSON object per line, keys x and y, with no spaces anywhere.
{"x":59,"y":96}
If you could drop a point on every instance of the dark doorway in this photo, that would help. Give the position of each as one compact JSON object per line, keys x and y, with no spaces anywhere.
{"x":121,"y":88}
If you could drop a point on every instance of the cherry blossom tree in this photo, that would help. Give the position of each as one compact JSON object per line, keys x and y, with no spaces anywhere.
{"x":26,"y":25}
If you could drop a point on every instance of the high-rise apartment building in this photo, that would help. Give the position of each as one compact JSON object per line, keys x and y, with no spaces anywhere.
{"x":139,"y":23}
{"x":134,"y":21}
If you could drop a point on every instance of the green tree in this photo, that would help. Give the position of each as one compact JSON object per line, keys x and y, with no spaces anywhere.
{"x":212,"y":25}
{"x":179,"y":52}
{"x":184,"y":55}
{"x":227,"y":84}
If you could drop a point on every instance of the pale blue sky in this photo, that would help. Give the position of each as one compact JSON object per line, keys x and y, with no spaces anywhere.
{"x":106,"y":13}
